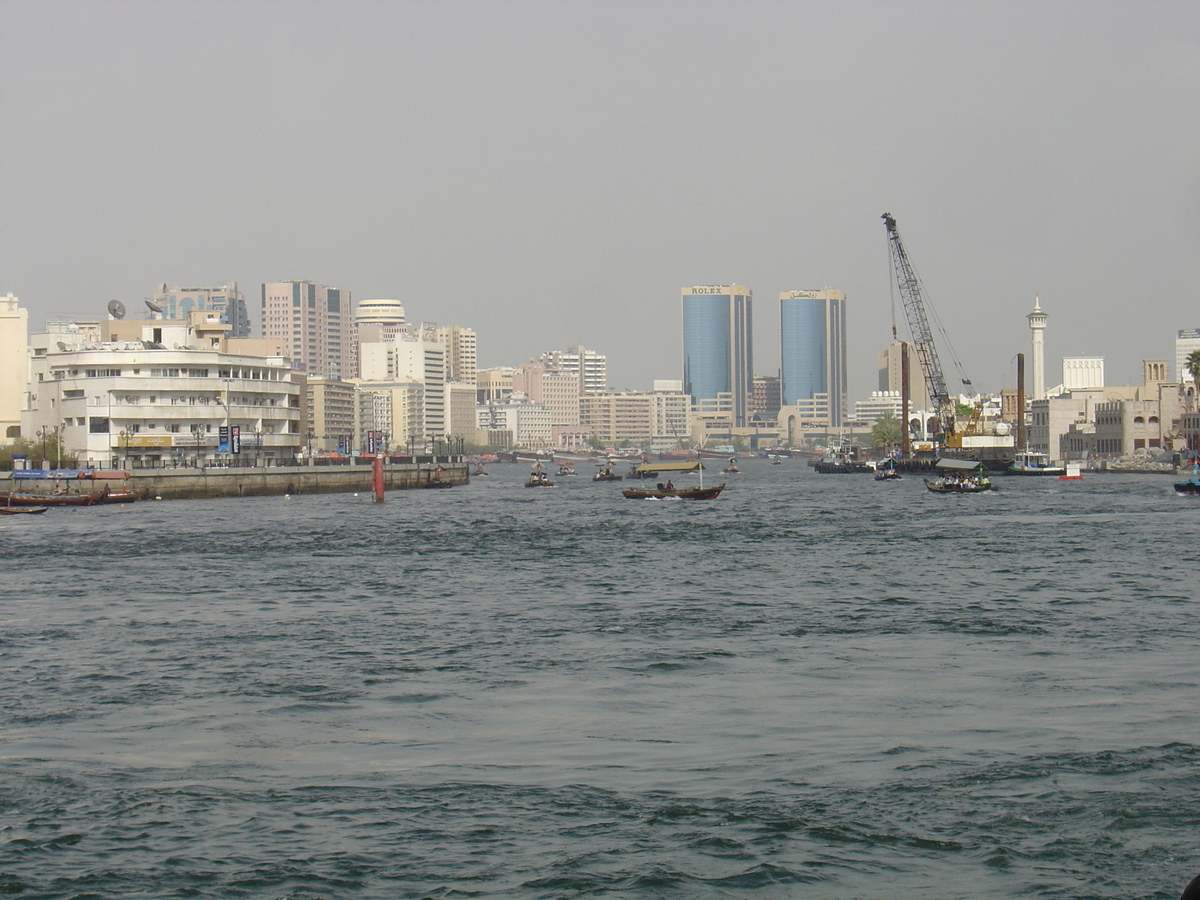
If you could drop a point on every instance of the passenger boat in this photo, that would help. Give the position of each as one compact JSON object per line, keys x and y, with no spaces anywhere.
{"x":692,"y":493}
{"x":668,"y":491}
{"x":886,"y":470}
{"x":539,"y":478}
{"x":22,"y":510}
{"x":1029,"y":462}
{"x":607,"y":473}
{"x":960,"y":476}
{"x":566,"y":470}
{"x":732,"y":468}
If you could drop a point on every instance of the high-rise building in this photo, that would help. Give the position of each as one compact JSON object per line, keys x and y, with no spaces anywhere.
{"x":1186,"y":343}
{"x":411,"y":360}
{"x":589,"y":367}
{"x":460,"y":352}
{"x":313,"y":322}
{"x":813,"y":349}
{"x":718,"y":349}
{"x":556,"y":390}
{"x":891,"y":365}
{"x":329,"y":415}
{"x":176,"y":303}
{"x":14,"y":338}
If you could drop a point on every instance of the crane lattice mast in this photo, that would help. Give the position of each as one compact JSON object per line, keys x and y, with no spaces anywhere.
{"x":918,"y":324}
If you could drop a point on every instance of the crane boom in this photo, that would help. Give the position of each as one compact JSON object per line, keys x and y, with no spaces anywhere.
{"x":918,"y":324}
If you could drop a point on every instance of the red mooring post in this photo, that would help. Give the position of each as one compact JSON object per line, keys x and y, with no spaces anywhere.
{"x":377,"y":477}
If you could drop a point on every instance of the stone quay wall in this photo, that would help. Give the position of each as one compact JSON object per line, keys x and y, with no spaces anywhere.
{"x":182,"y":484}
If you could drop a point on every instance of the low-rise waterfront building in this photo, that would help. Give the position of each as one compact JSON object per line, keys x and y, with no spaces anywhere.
{"x":652,"y":420}
{"x":139,"y":403}
{"x":513,"y":422}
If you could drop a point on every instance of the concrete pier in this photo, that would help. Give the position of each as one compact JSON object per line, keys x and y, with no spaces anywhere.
{"x":180,"y":484}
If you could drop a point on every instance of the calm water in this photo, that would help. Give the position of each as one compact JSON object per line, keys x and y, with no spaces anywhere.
{"x":815,"y":686}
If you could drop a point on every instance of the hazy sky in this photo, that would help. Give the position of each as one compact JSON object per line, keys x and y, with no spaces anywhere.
{"x":551,"y":173}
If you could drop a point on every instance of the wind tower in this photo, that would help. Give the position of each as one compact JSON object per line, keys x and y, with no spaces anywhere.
{"x":1037,"y":327}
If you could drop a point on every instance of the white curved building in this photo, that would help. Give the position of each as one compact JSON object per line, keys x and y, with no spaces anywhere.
{"x":387,"y":316}
{"x":136,"y":403}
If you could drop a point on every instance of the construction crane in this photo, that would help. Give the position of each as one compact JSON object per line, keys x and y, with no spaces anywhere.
{"x":918,"y":324}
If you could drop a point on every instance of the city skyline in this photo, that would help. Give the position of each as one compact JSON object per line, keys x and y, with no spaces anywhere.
{"x":523,"y":163}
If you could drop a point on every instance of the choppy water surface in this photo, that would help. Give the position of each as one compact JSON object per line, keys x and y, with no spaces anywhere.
{"x":815,"y":686}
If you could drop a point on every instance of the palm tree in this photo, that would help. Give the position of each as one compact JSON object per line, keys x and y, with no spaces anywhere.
{"x":1192,"y":364}
{"x":886,"y":431}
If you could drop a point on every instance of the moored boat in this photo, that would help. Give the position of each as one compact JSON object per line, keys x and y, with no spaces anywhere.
{"x":22,"y":498}
{"x":22,"y":510}
{"x":1030,"y":462}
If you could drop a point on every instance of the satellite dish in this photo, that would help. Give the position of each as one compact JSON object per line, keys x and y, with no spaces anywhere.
{"x":154,"y":307}
{"x":116,"y":309}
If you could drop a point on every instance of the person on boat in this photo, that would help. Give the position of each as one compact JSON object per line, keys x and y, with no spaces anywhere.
{"x":670,"y":485}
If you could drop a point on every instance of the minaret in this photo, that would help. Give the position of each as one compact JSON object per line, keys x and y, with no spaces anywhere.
{"x":1037,"y":325}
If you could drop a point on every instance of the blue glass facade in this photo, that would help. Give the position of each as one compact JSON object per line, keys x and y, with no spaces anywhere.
{"x":717,"y":347}
{"x":813,"y":349}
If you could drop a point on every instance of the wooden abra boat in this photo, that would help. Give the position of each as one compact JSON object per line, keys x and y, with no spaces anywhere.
{"x":692,"y":493}
{"x":22,"y":510}
{"x":960,"y":476}
{"x":20,"y":498}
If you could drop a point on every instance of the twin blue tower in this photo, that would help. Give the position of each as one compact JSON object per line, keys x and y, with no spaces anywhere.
{"x":718,"y":350}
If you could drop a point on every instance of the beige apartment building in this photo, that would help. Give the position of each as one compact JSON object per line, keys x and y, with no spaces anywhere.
{"x":329,"y":415}
{"x":313,"y":323}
